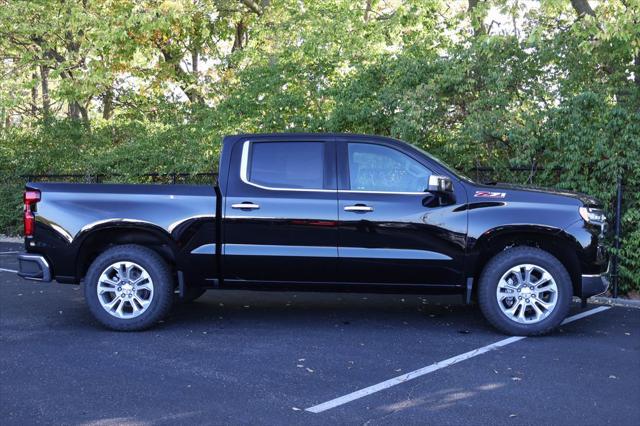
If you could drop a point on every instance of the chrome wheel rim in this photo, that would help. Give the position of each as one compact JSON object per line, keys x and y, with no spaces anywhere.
{"x":125,"y":290}
{"x":527,"y":294}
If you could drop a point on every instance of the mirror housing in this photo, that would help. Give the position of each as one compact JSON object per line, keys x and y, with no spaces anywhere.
{"x":440,"y":184}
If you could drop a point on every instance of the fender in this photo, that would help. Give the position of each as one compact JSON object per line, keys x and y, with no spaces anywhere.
{"x":562,"y":244}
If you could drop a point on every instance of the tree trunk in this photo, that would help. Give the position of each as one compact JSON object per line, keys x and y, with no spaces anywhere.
{"x":636,"y":74}
{"x":477,"y":22}
{"x":194,"y":61}
{"x":84,"y":113}
{"x":253,"y":6}
{"x":73,"y":110}
{"x":107,"y":104}
{"x":77,"y":111}
{"x":239,"y":37}
{"x":34,"y":95}
{"x":582,"y":7}
{"x":46,"y":103}
{"x":183,"y":78}
{"x":367,"y":10}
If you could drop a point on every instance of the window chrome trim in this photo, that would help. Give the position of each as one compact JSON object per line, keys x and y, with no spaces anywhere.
{"x":244,"y":166}
{"x":356,"y":191}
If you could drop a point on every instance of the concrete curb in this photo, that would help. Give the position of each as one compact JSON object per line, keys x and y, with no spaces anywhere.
{"x":6,"y":239}
{"x":627,"y":303}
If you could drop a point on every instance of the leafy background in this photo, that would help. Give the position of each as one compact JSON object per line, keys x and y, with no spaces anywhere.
{"x":131,"y":87}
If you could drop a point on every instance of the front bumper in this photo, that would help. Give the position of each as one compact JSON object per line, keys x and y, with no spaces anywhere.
{"x":592,"y":285}
{"x":34,"y":267}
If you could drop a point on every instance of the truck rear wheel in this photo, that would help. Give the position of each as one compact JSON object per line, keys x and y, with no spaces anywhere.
{"x":524,"y":291}
{"x":129,"y":288}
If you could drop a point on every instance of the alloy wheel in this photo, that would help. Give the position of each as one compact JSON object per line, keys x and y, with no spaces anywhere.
{"x":527,"y":294}
{"x":125,"y":290}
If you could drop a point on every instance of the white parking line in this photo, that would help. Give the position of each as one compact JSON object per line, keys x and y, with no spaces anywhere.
{"x":8,"y":270}
{"x":9,"y":252}
{"x":433,"y":367}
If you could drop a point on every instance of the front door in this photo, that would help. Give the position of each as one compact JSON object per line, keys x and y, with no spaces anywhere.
{"x":280,"y":222}
{"x":391,"y":231}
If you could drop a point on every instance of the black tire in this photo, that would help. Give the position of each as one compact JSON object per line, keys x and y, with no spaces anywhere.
{"x":190,"y":294}
{"x":499,"y":265}
{"x":158,"y":270}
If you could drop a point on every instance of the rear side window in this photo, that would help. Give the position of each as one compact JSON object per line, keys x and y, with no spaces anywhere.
{"x":298,"y":165}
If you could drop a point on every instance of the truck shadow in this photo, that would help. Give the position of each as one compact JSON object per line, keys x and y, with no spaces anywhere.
{"x":278,"y":309}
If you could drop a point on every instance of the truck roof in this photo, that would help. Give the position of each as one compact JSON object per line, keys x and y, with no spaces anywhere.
{"x":284,"y":136}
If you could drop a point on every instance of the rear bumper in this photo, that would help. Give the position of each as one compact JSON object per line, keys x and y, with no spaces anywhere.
{"x":592,"y":285}
{"x":34,"y":267}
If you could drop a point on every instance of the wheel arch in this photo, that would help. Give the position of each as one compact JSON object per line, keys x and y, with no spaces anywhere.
{"x":99,"y":238}
{"x":556,"y":242}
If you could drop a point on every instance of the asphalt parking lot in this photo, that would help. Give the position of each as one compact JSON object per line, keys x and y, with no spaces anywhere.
{"x":265,"y":358}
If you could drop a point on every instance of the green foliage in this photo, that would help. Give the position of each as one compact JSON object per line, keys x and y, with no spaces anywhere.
{"x":158,"y":83}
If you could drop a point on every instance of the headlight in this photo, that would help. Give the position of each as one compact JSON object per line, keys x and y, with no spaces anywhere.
{"x":593,"y":215}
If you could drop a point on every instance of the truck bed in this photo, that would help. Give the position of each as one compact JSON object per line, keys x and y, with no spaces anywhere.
{"x":183,"y":216}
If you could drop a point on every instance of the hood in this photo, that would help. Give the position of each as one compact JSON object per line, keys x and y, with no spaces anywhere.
{"x":585,"y":199}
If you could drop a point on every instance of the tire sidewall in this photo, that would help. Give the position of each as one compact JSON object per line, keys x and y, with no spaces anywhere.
{"x":155,"y":267}
{"x":499,"y":265}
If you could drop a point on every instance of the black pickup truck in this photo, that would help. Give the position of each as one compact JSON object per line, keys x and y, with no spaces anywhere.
{"x":322,"y":212}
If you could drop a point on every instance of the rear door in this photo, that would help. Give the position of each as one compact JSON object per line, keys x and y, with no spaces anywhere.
{"x":280,"y":221}
{"x":391,"y":231}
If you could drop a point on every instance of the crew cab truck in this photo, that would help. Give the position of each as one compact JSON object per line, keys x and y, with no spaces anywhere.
{"x":322,"y":212}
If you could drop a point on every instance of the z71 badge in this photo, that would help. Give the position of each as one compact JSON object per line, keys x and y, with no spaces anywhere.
{"x":489,"y":194}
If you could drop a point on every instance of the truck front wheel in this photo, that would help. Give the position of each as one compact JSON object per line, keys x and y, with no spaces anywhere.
{"x":524,"y":291}
{"x":129,"y":288}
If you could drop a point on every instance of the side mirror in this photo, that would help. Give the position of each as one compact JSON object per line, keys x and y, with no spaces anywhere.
{"x":440,"y":184}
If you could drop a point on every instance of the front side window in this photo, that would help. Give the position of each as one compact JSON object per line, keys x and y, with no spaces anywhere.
{"x":383,"y":169}
{"x":295,"y":165}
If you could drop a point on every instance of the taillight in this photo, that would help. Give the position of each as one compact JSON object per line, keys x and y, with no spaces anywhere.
{"x":31,"y":197}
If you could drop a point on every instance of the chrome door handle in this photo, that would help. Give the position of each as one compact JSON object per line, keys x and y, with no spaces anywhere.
{"x":248,"y":206}
{"x":361,"y":208}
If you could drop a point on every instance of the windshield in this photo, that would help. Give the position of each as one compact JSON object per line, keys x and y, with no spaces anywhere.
{"x":445,"y":165}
